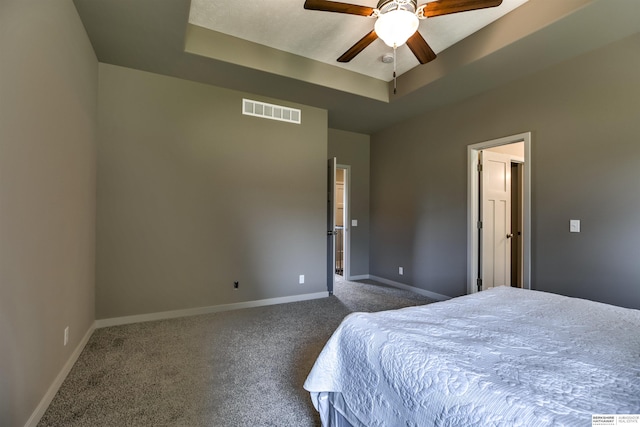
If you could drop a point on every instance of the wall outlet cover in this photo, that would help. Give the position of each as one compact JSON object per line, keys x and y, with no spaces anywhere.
{"x":574,"y":225}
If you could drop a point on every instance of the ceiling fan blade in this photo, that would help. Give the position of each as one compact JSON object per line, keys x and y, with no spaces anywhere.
{"x":421,"y":48}
{"x":446,"y":7}
{"x":358,"y":47}
{"x":332,"y":6}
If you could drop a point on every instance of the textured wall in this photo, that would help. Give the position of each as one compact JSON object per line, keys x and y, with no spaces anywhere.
{"x":193,"y":195}
{"x":48,"y":98}
{"x":583,"y":115}
{"x":353,"y":149}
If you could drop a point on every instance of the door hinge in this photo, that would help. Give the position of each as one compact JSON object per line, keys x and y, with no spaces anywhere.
{"x":479,"y":167}
{"x":479,"y":224}
{"x":479,"y":283}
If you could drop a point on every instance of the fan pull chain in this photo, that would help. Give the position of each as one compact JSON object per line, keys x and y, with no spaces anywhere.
{"x":394,"y":68}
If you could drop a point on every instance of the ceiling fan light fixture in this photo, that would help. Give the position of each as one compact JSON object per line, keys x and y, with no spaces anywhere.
{"x":396,"y":26}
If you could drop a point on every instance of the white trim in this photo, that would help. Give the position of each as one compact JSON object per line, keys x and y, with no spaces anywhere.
{"x":37,"y":414}
{"x":472,"y":203}
{"x":114,"y":321}
{"x":429,"y":294}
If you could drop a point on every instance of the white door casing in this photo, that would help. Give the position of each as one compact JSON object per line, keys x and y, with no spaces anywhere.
{"x":495,"y":211}
{"x":473,"y":216}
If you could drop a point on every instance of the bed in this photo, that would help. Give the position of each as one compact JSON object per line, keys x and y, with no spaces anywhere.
{"x":501,"y":357}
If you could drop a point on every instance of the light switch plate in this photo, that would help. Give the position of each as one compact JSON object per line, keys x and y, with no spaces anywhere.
{"x":354,"y":222}
{"x":574,"y":225}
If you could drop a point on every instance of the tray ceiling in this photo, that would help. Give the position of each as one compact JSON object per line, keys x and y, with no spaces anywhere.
{"x":323,"y":36}
{"x":156,"y":36}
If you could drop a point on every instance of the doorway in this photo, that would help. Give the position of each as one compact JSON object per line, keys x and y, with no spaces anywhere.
{"x":343,"y":234}
{"x":338,"y":220}
{"x":499,"y":231}
{"x":339,"y":269}
{"x":517,"y":222}
{"x":500,"y":215}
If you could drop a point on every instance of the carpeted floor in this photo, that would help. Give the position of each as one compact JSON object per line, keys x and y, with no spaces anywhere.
{"x":235,"y":368}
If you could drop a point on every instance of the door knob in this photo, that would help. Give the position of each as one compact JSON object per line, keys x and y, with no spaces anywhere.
{"x":510,"y":235}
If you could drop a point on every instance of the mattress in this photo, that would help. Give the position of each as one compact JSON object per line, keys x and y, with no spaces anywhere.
{"x":501,"y":357}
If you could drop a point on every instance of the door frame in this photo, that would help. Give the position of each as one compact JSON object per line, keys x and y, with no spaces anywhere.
{"x":473,"y":203}
{"x":347,"y":221}
{"x":331,"y":224}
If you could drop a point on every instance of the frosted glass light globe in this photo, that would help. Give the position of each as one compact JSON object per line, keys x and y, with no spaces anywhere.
{"x":395,"y":27}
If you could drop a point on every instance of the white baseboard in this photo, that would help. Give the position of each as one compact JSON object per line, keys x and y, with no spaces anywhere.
{"x":428,"y":294}
{"x":35,"y":417}
{"x":115,"y":321}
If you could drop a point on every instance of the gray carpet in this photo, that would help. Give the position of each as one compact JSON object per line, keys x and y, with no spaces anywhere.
{"x":235,"y":368}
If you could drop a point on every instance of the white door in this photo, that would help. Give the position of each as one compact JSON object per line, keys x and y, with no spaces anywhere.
{"x":331,"y":224}
{"x":495,"y":217}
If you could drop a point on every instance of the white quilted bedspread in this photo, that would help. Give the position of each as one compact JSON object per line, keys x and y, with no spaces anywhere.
{"x":503,"y":357}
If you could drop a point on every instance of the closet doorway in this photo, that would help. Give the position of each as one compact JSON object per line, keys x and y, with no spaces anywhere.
{"x":498,"y":231}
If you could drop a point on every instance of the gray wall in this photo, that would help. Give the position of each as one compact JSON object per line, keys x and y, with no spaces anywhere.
{"x":48,"y":96}
{"x":583,"y":115}
{"x":353,"y":149}
{"x":192,"y":195}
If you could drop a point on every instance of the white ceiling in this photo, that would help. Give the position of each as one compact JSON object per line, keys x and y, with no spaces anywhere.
{"x":323,"y":36}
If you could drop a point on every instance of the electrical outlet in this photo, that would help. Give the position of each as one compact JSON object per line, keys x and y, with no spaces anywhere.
{"x":400,"y":271}
{"x":236,"y":284}
{"x":66,"y":335}
{"x":301,"y":279}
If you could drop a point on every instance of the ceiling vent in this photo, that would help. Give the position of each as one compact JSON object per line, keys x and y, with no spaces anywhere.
{"x":271,"y":111}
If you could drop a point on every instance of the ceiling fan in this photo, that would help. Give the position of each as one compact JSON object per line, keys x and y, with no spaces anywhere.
{"x":397,"y":21}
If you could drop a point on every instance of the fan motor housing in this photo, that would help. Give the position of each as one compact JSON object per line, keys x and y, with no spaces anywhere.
{"x":385,"y":6}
